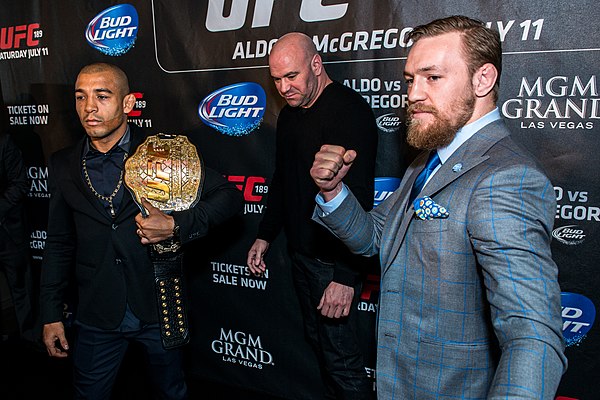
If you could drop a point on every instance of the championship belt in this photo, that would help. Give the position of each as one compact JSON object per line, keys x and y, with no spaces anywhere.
{"x":167,"y":171}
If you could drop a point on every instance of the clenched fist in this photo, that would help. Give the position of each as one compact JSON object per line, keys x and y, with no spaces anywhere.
{"x":329,"y":168}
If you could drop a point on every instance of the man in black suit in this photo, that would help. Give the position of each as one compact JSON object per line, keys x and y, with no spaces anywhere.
{"x":14,"y":260}
{"x":94,"y":228}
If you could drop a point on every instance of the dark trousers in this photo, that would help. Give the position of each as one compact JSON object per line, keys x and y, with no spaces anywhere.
{"x":334,"y":339}
{"x":98,"y":353}
{"x":14,"y":262}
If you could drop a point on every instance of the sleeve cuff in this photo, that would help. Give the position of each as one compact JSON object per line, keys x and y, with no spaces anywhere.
{"x":345,"y":276}
{"x":327,"y":208}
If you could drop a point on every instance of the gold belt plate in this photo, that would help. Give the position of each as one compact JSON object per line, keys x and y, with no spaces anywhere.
{"x":167,"y":171}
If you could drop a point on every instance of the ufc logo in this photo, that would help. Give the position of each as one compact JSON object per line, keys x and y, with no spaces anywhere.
{"x":11,"y":37}
{"x":310,"y":11}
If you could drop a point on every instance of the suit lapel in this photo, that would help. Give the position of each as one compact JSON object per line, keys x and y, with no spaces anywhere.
{"x":472,"y":153}
{"x":76,"y":175}
{"x":469,"y":155}
{"x":399,"y":212}
{"x":128,"y":206}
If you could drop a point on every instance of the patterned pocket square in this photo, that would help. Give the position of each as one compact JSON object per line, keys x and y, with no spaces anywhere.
{"x":427,"y":209}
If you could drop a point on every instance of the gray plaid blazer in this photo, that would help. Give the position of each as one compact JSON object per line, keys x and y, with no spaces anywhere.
{"x":469,"y":304}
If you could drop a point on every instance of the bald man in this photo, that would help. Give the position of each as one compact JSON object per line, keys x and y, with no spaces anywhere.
{"x":326,"y":276}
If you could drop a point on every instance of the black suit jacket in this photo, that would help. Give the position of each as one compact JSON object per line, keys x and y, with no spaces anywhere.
{"x":112,"y":268}
{"x":13,"y":189}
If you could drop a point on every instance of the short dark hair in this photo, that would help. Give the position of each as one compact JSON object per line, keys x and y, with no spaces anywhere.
{"x":481,"y":45}
{"x":120,"y":76}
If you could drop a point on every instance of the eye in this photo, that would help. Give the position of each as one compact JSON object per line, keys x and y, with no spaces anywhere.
{"x":434,"y":78}
{"x":79,"y":97}
{"x":409,"y":81}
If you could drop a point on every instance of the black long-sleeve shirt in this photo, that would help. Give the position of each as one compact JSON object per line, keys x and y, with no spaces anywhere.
{"x":339,"y":116}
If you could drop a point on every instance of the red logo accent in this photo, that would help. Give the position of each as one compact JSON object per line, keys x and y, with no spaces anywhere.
{"x":248,"y":185}
{"x":12,"y":36}
{"x":134,"y":112}
{"x":369,"y":286}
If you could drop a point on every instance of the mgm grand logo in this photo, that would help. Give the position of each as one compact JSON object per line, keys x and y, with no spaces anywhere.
{"x":241,"y":348}
{"x":556,"y":102}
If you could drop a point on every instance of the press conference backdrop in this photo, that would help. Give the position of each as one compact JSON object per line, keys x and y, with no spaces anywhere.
{"x":199,"y":68}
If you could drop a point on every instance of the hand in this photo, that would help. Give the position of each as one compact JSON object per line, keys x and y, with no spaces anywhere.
{"x":55,"y":340}
{"x":329,"y":168}
{"x":156,"y":227}
{"x":256,"y":254}
{"x":336,"y":300}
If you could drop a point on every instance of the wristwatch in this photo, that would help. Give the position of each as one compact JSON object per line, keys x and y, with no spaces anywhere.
{"x":175,"y":230}
{"x":170,"y":245}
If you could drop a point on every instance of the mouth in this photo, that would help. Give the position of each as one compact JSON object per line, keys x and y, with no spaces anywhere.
{"x":92,"y":122}
{"x":418,"y":112}
{"x":289,"y":95}
{"x":414,"y":117}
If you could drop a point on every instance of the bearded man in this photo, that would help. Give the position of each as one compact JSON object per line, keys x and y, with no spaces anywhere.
{"x":469,"y":300}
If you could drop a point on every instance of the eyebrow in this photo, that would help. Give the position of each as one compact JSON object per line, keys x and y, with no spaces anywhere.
{"x":287,"y":75}
{"x":99,"y":90}
{"x":427,"y":68}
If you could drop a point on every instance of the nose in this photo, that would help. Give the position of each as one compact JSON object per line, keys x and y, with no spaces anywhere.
{"x":416,"y":91}
{"x":284,"y":86}
{"x":90,"y":105}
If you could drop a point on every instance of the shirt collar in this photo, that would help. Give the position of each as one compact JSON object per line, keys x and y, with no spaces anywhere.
{"x":124,"y":144}
{"x":466,"y":132}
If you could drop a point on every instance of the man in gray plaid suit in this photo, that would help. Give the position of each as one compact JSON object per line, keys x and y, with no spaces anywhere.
{"x":469,"y":299}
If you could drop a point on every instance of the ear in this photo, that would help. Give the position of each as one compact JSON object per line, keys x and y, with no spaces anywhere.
{"x":484,"y":79}
{"x":316,"y":64}
{"x":128,"y":103}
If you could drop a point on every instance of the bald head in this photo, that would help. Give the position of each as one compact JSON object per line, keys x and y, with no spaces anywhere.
{"x":297,"y":69}
{"x":294,"y":43}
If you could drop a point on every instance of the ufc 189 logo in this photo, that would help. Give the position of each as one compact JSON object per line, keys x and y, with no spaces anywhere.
{"x":253,"y":187}
{"x":14,"y":37}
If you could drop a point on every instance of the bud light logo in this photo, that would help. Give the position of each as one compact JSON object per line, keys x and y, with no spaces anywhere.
{"x":578,"y":314}
{"x":388,"y":123}
{"x":234,"y":110}
{"x":384,"y":187}
{"x":569,"y":235}
{"x":113,"y":31}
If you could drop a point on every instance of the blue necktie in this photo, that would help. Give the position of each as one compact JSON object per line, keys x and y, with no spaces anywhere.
{"x":432,"y":162}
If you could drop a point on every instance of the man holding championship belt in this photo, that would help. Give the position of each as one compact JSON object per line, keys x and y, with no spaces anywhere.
{"x":123,"y":257}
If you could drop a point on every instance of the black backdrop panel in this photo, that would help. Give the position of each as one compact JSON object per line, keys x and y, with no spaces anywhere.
{"x":247,"y":331}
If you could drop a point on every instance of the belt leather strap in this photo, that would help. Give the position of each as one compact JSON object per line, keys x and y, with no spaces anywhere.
{"x":167,"y":171}
{"x":169,"y":285}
